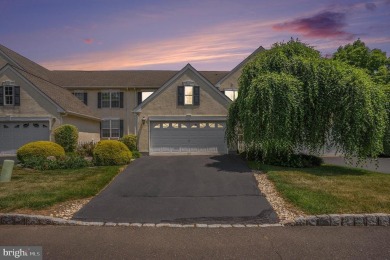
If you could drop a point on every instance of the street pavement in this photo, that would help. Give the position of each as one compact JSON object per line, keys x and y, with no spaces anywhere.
{"x":82,"y":242}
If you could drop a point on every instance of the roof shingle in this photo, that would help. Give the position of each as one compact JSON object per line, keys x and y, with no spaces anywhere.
{"x":59,"y":95}
{"x":25,"y":63}
{"x":130,"y":78}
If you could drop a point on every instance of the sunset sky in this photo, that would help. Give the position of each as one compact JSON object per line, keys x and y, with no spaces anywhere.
{"x":167,"y":34}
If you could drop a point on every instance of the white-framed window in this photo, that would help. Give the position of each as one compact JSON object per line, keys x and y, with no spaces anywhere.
{"x":8,"y":95}
{"x":111,"y":128}
{"x":188,"y":95}
{"x":143,"y":95}
{"x":81,"y":95}
{"x":232,"y":94}
{"x":110,"y":99}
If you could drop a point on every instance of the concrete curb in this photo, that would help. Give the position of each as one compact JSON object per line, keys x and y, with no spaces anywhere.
{"x":376,"y":219}
{"x":23,"y":219}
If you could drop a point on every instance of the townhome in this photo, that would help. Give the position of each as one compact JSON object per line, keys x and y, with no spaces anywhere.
{"x":171,"y":112}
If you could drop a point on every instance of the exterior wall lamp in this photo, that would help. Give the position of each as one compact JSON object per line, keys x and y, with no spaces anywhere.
{"x":143,"y":120}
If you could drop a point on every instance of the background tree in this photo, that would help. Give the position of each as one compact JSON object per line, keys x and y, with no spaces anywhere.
{"x":292,"y":99}
{"x":376,"y":63}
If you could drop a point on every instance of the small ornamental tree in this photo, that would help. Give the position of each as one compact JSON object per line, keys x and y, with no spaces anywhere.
{"x":291,"y":99}
{"x":67,"y":136}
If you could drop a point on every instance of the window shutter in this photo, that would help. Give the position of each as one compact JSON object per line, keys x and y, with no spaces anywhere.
{"x":99,"y":99}
{"x":17,"y":96}
{"x":180,"y":95}
{"x":139,"y":98}
{"x":121,"y":99}
{"x":86,"y":98}
{"x":121,"y":128}
{"x":196,"y":96}
{"x":1,"y":97}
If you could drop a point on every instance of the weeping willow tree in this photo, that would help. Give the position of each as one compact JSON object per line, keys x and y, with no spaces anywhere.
{"x":291,"y":99}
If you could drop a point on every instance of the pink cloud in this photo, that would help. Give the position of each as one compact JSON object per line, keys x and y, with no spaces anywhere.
{"x":222,"y":43}
{"x":322,"y":25}
{"x":88,"y":40}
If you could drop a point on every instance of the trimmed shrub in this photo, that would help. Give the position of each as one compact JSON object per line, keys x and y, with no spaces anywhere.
{"x":294,"y":160}
{"x":136,"y":154}
{"x":68,"y":162}
{"x":67,"y":136}
{"x":41,"y":149}
{"x":130,"y":141}
{"x":111,"y":152}
{"x":86,"y":149}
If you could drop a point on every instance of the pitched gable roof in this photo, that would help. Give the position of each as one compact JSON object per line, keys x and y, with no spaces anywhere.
{"x":21,"y":62}
{"x":40,"y":78}
{"x":132,"y":78}
{"x":178,"y":75}
{"x":58,"y":95}
{"x":240,"y":65}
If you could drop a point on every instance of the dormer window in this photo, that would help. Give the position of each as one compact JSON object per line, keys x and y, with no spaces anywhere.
{"x":9,"y":94}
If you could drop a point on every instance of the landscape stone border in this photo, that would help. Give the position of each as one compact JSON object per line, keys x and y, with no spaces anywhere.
{"x":378,"y":219}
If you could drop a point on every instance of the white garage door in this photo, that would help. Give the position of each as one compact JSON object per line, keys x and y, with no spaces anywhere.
{"x":183,"y":137}
{"x":15,"y":134}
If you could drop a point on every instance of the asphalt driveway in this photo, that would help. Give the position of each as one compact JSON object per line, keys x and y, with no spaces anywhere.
{"x":181,"y":189}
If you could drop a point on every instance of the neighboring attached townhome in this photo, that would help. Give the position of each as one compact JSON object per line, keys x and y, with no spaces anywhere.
{"x":171,"y":112}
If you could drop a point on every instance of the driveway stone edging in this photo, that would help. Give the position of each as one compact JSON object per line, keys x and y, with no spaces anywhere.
{"x":376,"y":219}
{"x":24,"y":219}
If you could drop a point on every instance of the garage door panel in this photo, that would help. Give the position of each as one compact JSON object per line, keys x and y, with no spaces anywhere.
{"x":15,"y":134}
{"x":188,"y":137}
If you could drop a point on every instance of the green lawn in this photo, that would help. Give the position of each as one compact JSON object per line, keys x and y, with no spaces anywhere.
{"x":31,"y":189}
{"x":331,"y":189}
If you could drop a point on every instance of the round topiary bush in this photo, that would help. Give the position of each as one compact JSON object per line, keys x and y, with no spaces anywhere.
{"x":130,"y":141}
{"x":111,"y":152}
{"x":67,"y":136}
{"x":42,"y":149}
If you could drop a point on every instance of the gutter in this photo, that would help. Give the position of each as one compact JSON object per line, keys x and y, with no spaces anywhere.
{"x":80,"y":115}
